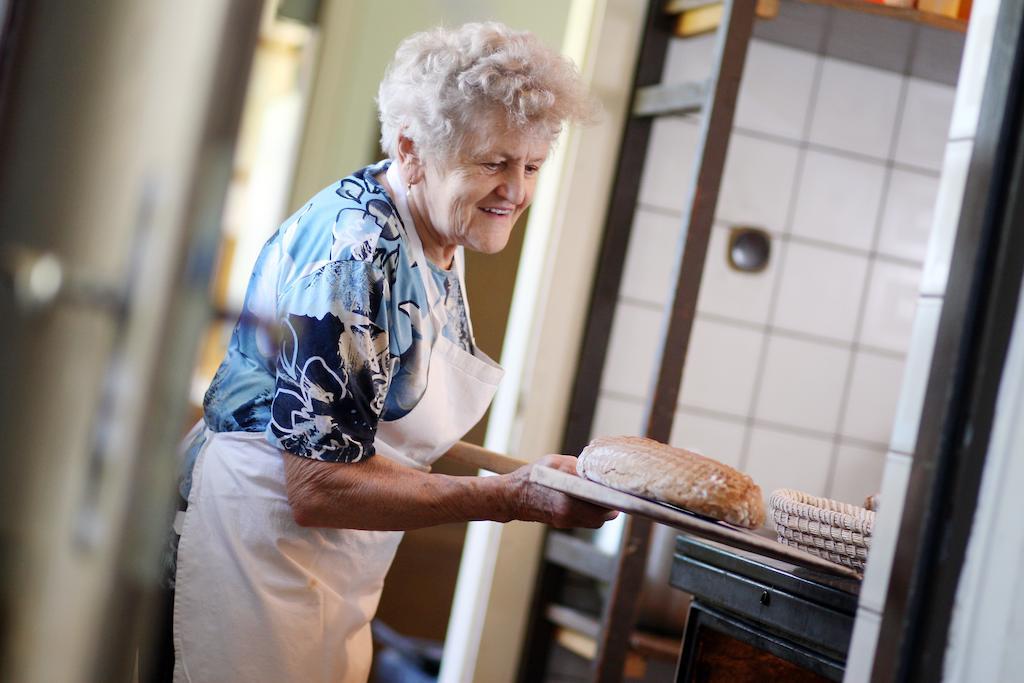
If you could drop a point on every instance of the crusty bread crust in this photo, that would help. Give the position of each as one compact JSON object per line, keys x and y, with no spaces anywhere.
{"x":653,"y":470}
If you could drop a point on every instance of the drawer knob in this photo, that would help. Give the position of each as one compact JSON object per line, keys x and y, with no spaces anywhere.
{"x":765,"y":598}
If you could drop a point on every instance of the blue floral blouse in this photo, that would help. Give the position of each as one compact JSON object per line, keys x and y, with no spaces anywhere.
{"x":332,"y":336}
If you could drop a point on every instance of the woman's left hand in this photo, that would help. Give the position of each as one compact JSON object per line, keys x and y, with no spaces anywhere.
{"x":533,"y":502}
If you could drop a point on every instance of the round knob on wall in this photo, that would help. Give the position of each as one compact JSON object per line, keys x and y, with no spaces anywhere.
{"x":749,"y":249}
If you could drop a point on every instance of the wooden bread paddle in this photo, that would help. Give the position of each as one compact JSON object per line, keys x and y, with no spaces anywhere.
{"x":688,"y":522}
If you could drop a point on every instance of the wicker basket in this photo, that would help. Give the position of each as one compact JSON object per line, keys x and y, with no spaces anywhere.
{"x":839,"y":532}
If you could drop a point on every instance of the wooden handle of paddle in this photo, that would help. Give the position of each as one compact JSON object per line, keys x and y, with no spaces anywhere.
{"x":481,"y":458}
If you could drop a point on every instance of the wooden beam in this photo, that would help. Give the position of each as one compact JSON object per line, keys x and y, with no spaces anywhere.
{"x":580,"y":556}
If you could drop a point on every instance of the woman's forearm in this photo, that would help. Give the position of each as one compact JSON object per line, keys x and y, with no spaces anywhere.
{"x":379,"y":494}
{"x":382,"y":495}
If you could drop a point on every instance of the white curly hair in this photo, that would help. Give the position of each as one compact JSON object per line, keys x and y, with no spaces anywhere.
{"x":444,"y":84}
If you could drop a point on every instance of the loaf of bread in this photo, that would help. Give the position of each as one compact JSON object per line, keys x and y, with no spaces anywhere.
{"x":679,"y":477}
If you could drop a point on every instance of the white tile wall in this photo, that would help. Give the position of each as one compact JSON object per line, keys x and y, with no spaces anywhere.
{"x":721,"y":367}
{"x":857,"y":473}
{"x":714,"y":437}
{"x":618,"y":416}
{"x":838,"y":200}
{"x":820,"y":291}
{"x":757,"y":182}
{"x":689,"y":60}
{"x":801,"y":384}
{"x":790,"y":372}
{"x":855,"y":109}
{"x":890,"y":304}
{"x":651,"y":256}
{"x":873,"y":393}
{"x":779,"y":459}
{"x":810,"y":345}
{"x":777,"y":83}
{"x":727,"y":292}
{"x":907,"y":218}
{"x":925,"y":124}
{"x":669,"y":169}
{"x":631,"y":351}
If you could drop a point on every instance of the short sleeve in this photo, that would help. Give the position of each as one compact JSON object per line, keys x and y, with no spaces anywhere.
{"x":334,"y":364}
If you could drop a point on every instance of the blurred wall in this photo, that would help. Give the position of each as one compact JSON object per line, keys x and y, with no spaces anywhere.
{"x":119,"y":122}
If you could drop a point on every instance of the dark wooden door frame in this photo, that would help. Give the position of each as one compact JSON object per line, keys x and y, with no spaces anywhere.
{"x":978,"y":312}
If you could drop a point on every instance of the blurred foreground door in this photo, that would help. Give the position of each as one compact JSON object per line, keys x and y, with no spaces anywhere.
{"x":117,"y":123}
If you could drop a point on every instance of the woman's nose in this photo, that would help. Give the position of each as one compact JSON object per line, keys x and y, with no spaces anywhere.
{"x":513,"y":188}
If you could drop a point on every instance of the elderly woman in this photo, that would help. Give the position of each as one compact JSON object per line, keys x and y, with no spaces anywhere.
{"x":316,"y":449}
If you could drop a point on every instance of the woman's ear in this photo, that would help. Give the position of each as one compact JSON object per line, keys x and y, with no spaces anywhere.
{"x":409,"y":160}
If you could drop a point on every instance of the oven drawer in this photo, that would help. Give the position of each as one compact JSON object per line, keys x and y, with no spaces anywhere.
{"x":819,"y":627}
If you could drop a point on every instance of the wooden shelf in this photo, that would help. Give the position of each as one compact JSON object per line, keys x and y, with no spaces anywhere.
{"x":900,"y":13}
{"x":673,"y":98}
{"x":565,"y":550}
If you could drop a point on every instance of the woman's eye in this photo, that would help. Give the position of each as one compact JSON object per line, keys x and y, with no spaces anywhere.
{"x":531,"y":169}
{"x":491,"y":165}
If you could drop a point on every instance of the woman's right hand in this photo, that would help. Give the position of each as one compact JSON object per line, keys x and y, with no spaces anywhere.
{"x":532,"y":502}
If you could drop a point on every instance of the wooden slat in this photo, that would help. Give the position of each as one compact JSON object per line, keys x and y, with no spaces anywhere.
{"x":580,"y":556}
{"x":675,"y":98}
{"x":586,"y":628}
{"x":572,"y":618}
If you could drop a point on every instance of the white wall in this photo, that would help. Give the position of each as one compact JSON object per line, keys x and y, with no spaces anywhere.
{"x":932,"y":289}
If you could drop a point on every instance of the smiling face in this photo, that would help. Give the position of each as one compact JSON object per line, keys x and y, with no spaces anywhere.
{"x":474,"y":198}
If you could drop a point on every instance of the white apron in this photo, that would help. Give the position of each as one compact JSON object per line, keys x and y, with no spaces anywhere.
{"x":259,"y":598}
